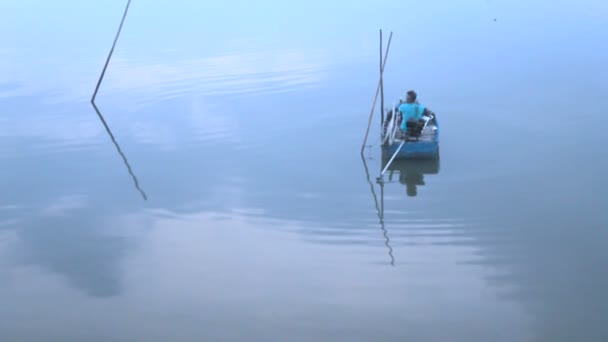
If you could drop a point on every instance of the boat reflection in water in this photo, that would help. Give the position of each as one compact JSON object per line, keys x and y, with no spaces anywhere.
{"x":411,"y":172}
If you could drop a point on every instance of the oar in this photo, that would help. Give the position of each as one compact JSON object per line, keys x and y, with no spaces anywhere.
{"x":391,"y":160}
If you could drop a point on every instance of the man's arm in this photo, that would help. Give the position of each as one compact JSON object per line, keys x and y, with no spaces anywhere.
{"x":428,"y":112}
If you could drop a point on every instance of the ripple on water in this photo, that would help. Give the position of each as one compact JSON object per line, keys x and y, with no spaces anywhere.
{"x":53,"y":132}
{"x":248,"y":73}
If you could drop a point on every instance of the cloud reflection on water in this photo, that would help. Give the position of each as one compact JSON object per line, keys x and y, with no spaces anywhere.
{"x":224,"y":267}
{"x":65,"y":237}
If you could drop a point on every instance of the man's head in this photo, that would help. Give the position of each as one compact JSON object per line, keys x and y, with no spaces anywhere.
{"x":411,"y":96}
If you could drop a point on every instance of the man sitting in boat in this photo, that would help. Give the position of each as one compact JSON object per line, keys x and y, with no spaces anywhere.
{"x":412,"y":114}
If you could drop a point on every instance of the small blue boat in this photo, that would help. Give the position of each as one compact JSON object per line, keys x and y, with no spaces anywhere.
{"x":424,"y":144}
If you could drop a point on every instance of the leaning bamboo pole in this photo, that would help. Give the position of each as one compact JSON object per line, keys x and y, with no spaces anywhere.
{"x":371,"y":114}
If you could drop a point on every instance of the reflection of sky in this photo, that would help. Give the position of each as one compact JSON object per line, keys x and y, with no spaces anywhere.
{"x":262,"y":280}
{"x":245,"y":138}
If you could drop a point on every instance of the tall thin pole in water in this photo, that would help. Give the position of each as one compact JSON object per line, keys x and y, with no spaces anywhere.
{"x":101,"y":118}
{"x":371,"y":114}
{"x":381,"y":86}
{"x":103,"y":72}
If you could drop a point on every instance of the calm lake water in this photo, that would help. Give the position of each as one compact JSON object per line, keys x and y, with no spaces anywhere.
{"x":242,"y":122}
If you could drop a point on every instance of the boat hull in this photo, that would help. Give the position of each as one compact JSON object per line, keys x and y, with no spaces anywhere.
{"x":426,"y":147}
{"x":413,"y":150}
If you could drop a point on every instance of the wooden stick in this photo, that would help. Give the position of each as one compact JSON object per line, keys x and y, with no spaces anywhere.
{"x":371,"y":114}
{"x":103,"y":72}
{"x":381,"y":86}
{"x":393,"y":158}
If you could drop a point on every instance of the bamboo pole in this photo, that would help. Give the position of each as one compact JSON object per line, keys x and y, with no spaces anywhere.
{"x":381,"y":85}
{"x":103,"y":72}
{"x":371,"y":114}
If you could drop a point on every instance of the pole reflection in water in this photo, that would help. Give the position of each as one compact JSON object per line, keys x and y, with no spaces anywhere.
{"x":121,"y":153}
{"x":379,"y":210}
